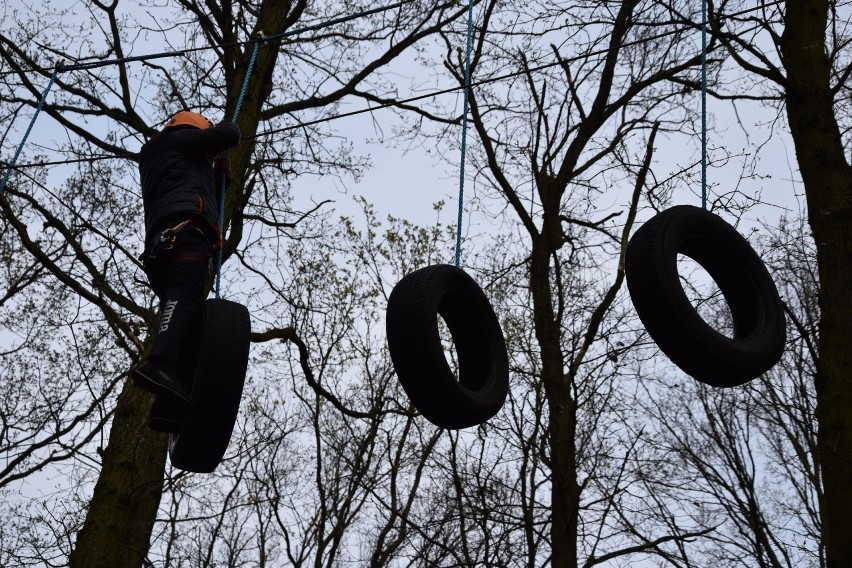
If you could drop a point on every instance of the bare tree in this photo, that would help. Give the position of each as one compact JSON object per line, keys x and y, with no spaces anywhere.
{"x":747,"y":457}
{"x":83,"y":258}
{"x":798,"y":53}
{"x":595,"y":459}
{"x":563,"y":124}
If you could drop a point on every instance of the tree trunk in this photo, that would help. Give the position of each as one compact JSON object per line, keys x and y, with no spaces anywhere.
{"x":123,"y":509}
{"x":564,"y":492}
{"x":124,"y":506}
{"x":828,"y":185}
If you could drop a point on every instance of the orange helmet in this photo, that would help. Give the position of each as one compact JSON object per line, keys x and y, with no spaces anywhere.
{"x":190,"y":118}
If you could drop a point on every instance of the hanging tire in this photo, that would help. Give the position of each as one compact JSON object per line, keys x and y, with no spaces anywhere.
{"x":418,"y":356}
{"x":671,"y":320}
{"x":221,"y":360}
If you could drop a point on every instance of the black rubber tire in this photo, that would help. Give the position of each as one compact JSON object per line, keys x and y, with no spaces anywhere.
{"x":222,"y":361}
{"x":418,"y":357}
{"x":671,"y":320}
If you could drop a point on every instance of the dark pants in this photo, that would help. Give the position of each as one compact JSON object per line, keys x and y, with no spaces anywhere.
{"x":178,"y":277}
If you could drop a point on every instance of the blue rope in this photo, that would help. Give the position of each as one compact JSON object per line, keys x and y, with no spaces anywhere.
{"x":222,"y":181}
{"x":464,"y":128}
{"x":704,"y":104}
{"x":257,"y":45}
{"x":11,"y":165}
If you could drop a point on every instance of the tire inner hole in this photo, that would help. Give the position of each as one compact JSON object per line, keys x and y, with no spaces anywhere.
{"x":705,"y":296}
{"x":449,"y":346}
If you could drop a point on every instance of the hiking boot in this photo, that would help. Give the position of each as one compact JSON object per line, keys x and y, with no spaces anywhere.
{"x":160,"y":382}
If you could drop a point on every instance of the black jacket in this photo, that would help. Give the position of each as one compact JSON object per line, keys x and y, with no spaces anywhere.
{"x":177,"y":178}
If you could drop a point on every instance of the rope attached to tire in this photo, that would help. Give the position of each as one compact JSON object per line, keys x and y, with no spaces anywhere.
{"x":673,"y":323}
{"x":414,"y":341}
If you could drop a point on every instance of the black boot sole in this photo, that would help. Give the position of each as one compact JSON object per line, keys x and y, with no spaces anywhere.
{"x":159,"y":386}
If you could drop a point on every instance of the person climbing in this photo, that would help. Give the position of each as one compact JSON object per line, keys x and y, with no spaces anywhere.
{"x":179,"y":168}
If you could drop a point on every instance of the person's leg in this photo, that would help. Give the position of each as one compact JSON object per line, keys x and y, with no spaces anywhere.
{"x":185,"y":268}
{"x":180,"y":313}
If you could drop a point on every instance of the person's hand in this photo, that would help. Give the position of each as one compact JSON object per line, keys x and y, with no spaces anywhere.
{"x":222,"y":166}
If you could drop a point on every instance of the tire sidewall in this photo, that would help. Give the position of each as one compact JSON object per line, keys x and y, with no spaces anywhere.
{"x":216,"y":389}
{"x":669,"y":316}
{"x":480,"y":390}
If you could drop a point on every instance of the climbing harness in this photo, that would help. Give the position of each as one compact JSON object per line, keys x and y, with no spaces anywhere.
{"x":167,"y":238}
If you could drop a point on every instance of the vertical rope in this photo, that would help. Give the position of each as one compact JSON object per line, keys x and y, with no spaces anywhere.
{"x":464,"y":127}
{"x":704,"y":104}
{"x":222,"y":181}
{"x":29,"y":129}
